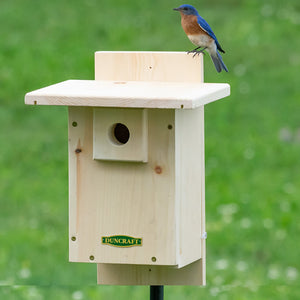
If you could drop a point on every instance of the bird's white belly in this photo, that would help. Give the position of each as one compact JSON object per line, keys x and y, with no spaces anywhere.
{"x":202,"y":40}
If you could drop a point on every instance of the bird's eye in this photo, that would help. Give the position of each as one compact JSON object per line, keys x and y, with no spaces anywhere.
{"x":184,"y":8}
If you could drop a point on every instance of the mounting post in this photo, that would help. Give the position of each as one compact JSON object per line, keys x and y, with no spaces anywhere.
{"x":156,"y":292}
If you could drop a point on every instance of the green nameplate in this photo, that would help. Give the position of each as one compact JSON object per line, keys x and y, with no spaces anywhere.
{"x":121,"y":241}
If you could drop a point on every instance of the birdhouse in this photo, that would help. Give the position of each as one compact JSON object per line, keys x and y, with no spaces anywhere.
{"x":136,"y":166}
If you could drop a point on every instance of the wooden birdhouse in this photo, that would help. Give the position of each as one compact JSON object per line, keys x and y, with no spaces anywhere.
{"x":136,"y":166}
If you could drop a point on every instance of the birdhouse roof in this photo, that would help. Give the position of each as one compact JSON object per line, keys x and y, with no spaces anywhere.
{"x":131,"y":94}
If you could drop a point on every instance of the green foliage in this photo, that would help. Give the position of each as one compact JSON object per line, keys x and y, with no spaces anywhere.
{"x":252,"y":142}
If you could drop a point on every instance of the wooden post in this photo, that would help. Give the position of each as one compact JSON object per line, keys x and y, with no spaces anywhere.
{"x":189,"y":162}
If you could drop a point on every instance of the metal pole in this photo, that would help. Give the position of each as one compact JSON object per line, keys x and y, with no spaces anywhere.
{"x":156,"y":292}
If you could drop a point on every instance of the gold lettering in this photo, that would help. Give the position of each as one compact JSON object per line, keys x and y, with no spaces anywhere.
{"x":122,"y":241}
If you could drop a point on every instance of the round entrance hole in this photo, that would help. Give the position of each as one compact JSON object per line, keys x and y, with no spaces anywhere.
{"x":119,"y":134}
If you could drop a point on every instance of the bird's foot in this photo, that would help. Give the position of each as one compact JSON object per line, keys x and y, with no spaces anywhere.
{"x":197,"y":52}
{"x":194,"y":50}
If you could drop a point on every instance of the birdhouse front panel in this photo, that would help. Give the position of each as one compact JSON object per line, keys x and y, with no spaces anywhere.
{"x":122,"y":212}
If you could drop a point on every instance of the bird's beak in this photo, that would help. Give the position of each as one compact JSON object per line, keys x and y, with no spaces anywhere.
{"x":176,"y":8}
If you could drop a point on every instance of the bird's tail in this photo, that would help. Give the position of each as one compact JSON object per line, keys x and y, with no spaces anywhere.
{"x":218,"y":61}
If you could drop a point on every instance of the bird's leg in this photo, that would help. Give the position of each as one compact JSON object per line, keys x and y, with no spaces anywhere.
{"x":200,"y":51}
{"x":197,"y":52}
{"x":194,"y":50}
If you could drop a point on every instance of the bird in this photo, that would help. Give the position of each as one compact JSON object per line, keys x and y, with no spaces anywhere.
{"x":200,"y":34}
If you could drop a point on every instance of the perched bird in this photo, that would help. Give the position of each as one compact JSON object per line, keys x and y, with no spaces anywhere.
{"x":201,"y":35}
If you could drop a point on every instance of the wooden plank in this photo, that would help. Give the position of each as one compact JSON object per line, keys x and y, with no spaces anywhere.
{"x":148,"y":66}
{"x":128,"y":94}
{"x":106,"y":144}
{"x":165,"y":67}
{"x":122,"y":198}
{"x":189,"y":151}
{"x":115,"y":274}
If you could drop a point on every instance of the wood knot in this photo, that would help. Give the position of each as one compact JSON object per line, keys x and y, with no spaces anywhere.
{"x":158,"y":169}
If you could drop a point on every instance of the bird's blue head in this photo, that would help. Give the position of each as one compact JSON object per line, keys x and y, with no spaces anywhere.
{"x":187,"y":9}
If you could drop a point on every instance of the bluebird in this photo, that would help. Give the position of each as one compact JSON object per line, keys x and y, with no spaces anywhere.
{"x":201,"y":35}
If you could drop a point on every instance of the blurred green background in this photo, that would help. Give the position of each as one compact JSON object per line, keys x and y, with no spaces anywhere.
{"x":252,"y":142}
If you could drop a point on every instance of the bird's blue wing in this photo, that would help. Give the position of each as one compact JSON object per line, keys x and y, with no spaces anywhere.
{"x":205,"y":26}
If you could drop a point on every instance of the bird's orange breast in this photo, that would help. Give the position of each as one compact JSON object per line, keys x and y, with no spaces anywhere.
{"x":190,"y":25}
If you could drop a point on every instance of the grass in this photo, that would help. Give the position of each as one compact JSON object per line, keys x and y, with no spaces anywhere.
{"x":252,"y":143}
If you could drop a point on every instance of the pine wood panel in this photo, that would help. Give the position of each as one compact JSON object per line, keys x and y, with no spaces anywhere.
{"x":148,"y":66}
{"x":128,"y":94}
{"x":121,"y":198}
{"x":150,"y":275}
{"x":189,"y":153}
{"x":106,"y":145}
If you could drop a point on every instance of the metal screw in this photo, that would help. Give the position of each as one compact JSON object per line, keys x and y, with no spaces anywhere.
{"x":74,"y":124}
{"x":92,"y":257}
{"x":73,"y":238}
{"x":153,"y":259}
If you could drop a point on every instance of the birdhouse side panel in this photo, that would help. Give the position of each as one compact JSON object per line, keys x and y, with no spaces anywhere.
{"x":190,"y":184}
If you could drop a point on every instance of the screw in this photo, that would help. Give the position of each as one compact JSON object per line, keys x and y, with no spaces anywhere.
{"x":78,"y":150}
{"x":92,"y":257}
{"x":153,"y":259}
{"x":74,"y":124}
{"x":73,"y":238}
